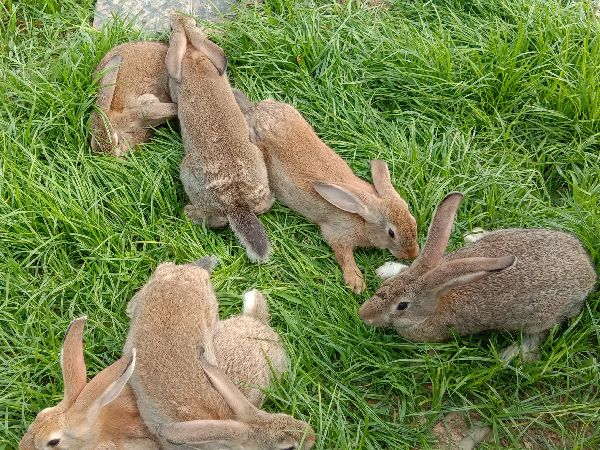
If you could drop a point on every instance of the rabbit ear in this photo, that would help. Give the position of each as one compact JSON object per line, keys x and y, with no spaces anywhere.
{"x":176,"y":51}
{"x":457,"y":272}
{"x":439,"y":232}
{"x":212,"y":51}
{"x":341,"y":197}
{"x":208,"y":263}
{"x":72,"y":361}
{"x":381,"y":177}
{"x":207,"y":434}
{"x":108,"y":83}
{"x":105,"y":387}
{"x":240,"y":405}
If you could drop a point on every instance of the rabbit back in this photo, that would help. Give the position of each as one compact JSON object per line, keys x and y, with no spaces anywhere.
{"x":296,"y":157}
{"x":143,"y":71}
{"x":549,"y":282}
{"x":250,"y":352}
{"x":214,"y":130}
{"x":172,"y":316}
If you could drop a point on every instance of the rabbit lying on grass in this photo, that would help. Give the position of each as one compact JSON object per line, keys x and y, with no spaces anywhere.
{"x":98,"y":416}
{"x":133,"y":97}
{"x":310,"y":178}
{"x":223,"y":173}
{"x":172,"y":317}
{"x":513,"y":279}
{"x":101,"y":414}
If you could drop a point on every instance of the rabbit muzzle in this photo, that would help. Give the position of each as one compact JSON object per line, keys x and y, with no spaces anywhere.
{"x":371,"y":315}
{"x":407,"y":253}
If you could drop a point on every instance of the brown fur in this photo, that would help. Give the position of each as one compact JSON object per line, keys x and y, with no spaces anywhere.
{"x":140,"y":99}
{"x":118,"y":424}
{"x":171,"y":316}
{"x":175,"y":315}
{"x":299,"y":164}
{"x":513,"y":279}
{"x":222,"y":172}
{"x":243,"y":344}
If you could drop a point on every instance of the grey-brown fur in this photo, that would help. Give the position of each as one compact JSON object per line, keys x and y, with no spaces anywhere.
{"x":133,"y":97}
{"x":173,"y":316}
{"x":222,"y":172}
{"x":511,"y":279}
{"x":76,"y":422}
{"x":309,"y":177}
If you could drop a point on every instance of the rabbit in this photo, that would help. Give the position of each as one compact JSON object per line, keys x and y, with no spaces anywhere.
{"x":134,"y":96}
{"x":248,"y":349}
{"x":310,"y":178}
{"x":222,"y":172}
{"x":511,"y":279}
{"x":101,"y":414}
{"x":249,"y":429}
{"x":172,"y":317}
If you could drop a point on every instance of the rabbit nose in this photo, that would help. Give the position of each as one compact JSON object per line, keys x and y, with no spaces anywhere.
{"x":365,"y":313}
{"x":407,"y":253}
{"x":414,"y":251}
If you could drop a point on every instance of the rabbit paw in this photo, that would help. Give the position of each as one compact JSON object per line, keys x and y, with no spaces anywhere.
{"x":390,"y":269}
{"x":474,"y":235}
{"x":355,"y":281}
{"x":529,"y":348}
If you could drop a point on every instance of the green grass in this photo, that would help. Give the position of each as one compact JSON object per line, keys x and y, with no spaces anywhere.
{"x":497,"y":98}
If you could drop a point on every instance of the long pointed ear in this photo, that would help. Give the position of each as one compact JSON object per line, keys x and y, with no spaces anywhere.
{"x":381,"y":178}
{"x":439,"y":232}
{"x":206,"y":46}
{"x":208,"y":263}
{"x":108,"y":83}
{"x":240,"y":405}
{"x":344,"y":199}
{"x":105,"y":387}
{"x":458,"y":272}
{"x":72,"y":361}
{"x":209,"y":434}
{"x":176,"y":50}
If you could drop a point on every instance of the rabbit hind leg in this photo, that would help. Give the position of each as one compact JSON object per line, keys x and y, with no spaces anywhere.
{"x":528,"y":347}
{"x":202,"y":216}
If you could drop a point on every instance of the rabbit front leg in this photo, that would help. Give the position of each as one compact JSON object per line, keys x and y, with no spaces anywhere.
{"x":344,"y":254}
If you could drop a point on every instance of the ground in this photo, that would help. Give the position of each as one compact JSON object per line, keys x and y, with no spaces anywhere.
{"x":499,"y":99}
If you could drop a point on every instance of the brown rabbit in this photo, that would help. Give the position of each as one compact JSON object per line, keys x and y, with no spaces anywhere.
{"x":310,"y":178}
{"x":248,"y":429}
{"x":513,"y":279}
{"x":134,"y":97}
{"x":101,"y":414}
{"x":223,"y":173}
{"x":172,"y":316}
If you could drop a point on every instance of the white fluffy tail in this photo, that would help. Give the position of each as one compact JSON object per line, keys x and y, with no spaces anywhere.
{"x":255,"y":305}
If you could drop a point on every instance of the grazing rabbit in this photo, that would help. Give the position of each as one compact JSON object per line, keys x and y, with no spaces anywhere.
{"x":223,"y":173}
{"x":101,"y":414}
{"x":513,"y":279}
{"x":134,"y":96}
{"x":310,"y":178}
{"x":172,"y":316}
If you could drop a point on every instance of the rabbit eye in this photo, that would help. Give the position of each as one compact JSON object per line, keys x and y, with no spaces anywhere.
{"x":391,"y":233}
{"x":53,"y":443}
{"x":402,"y":306}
